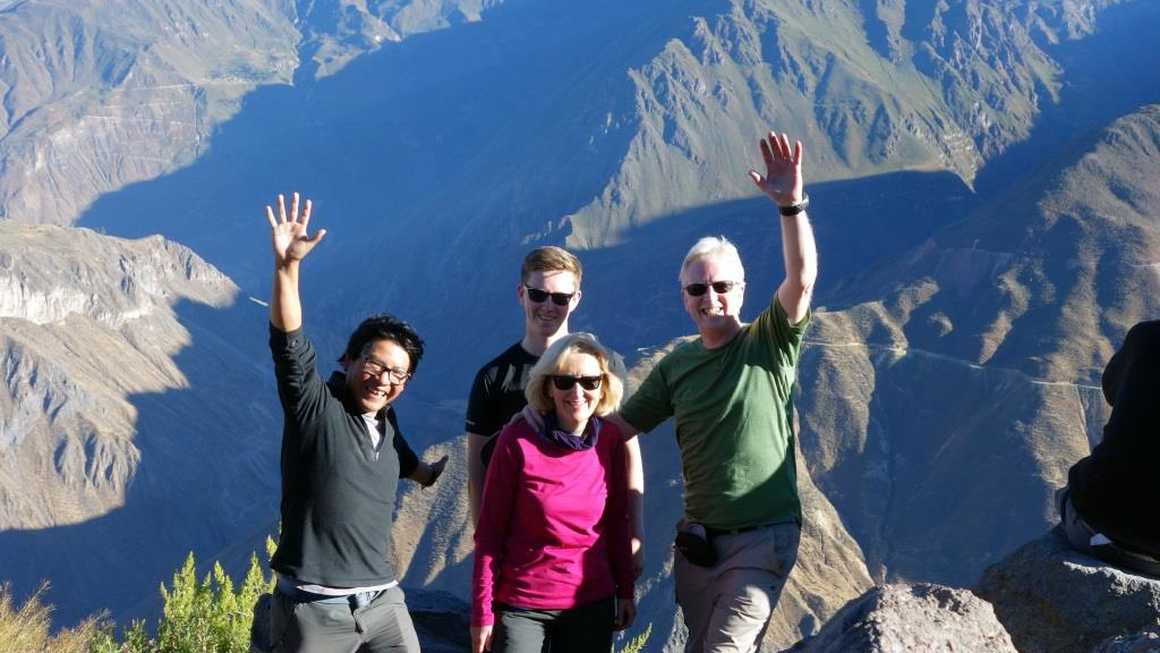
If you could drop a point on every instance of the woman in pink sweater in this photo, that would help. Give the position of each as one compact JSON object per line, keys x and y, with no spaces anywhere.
{"x":552,"y":560}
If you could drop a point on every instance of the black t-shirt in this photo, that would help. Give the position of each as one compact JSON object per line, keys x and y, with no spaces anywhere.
{"x":498,"y":391}
{"x":1115,"y":489}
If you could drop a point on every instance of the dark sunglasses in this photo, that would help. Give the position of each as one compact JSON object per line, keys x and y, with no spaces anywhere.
{"x":719,"y":287}
{"x":566,"y":382}
{"x":558,"y":298}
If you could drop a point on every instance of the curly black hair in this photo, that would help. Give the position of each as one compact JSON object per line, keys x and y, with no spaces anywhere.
{"x":384,"y":326}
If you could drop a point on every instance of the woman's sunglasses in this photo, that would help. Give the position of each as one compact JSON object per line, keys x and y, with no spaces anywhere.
{"x":539,"y":296}
{"x":563,"y":382}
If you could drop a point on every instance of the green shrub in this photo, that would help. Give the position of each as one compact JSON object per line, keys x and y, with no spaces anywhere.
{"x":636,"y":644}
{"x":26,"y":629}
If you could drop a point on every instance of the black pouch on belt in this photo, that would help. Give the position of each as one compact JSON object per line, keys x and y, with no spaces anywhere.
{"x":694,"y":544}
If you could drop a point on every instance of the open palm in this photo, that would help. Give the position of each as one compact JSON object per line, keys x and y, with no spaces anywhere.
{"x":782,"y":181}
{"x":289,"y":235}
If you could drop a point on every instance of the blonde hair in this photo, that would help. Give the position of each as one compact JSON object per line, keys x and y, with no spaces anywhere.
{"x":550,"y":258}
{"x":711,"y":246}
{"x":611,"y":369}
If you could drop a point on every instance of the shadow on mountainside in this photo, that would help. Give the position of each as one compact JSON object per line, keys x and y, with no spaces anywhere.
{"x":207,"y":477}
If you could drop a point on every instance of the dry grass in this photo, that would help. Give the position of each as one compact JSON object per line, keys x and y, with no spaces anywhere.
{"x":27,"y":629}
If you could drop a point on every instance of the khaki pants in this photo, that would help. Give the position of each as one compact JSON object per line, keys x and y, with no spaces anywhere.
{"x":727,"y":607}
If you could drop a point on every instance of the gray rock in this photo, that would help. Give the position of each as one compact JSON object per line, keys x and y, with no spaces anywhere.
{"x":1146,"y":641}
{"x":912,"y":618}
{"x":1051,"y":598}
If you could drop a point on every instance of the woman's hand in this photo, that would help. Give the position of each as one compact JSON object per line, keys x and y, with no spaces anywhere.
{"x":481,"y":638}
{"x":625,"y":614}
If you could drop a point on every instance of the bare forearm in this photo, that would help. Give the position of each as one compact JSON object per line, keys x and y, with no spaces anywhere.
{"x":800,"y":255}
{"x":285,"y":304}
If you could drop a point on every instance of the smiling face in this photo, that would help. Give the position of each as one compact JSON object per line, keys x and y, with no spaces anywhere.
{"x":369,"y":391}
{"x":546,"y":319}
{"x":575,"y":405}
{"x":716,"y":315}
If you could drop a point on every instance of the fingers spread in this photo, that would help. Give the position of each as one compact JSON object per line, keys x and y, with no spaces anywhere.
{"x":294,"y":207}
{"x":281,"y":208}
{"x":797,"y":153}
{"x":766,"y":153}
{"x":753,"y":174}
{"x":270,"y":217}
{"x":305,"y":214}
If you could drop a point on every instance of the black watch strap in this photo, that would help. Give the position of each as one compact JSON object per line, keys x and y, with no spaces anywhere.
{"x":794,"y":209}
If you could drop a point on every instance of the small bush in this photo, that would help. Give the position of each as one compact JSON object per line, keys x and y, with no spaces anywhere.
{"x":26,"y":629}
{"x":636,"y":644}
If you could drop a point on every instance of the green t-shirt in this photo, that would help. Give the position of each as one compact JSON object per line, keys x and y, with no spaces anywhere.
{"x":734,"y":410}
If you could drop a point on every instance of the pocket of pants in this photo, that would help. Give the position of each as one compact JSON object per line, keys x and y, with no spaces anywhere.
{"x":281,"y":617}
{"x":786,"y":539}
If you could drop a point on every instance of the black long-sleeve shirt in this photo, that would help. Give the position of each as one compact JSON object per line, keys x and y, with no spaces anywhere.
{"x":1115,"y":488}
{"x":338,"y":491}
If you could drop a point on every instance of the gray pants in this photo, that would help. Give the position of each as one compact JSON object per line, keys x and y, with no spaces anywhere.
{"x":342,"y":626}
{"x":727,"y":606}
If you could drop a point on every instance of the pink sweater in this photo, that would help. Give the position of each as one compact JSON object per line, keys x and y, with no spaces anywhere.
{"x":553,"y":526}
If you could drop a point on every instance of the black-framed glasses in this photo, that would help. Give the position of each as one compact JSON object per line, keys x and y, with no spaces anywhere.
{"x":539,"y":296}
{"x":565,"y":382}
{"x":719,"y":287}
{"x":377,"y":369}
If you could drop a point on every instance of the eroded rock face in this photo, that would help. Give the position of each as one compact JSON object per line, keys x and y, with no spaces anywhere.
{"x":1053,"y":599}
{"x":913,"y":618}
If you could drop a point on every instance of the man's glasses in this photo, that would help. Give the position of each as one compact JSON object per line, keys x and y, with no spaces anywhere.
{"x":719,"y":287}
{"x":539,"y":296}
{"x":376,"y":369}
{"x":563,"y":382}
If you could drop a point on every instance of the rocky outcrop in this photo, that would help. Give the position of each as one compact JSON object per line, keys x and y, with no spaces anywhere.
{"x":1054,"y":600}
{"x":1146,"y":641}
{"x":914,"y":618}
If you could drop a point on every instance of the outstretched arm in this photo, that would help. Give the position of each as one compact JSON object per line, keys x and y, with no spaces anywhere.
{"x":291,"y":244}
{"x":783,"y":183}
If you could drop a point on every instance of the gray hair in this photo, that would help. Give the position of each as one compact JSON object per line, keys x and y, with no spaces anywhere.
{"x":710,"y":246}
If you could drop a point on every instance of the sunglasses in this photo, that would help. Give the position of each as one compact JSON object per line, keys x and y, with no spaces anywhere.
{"x":719,"y":287}
{"x":563,"y":382}
{"x":539,"y":296}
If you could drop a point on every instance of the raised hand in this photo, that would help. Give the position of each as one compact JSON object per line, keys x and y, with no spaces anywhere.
{"x":289,"y":236}
{"x":782,"y":181}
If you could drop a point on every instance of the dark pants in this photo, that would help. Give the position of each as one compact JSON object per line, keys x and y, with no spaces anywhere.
{"x":1079,"y":536}
{"x":342,"y":626}
{"x":583,"y":629}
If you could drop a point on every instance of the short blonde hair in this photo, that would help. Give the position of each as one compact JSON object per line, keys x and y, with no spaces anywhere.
{"x":711,"y":246}
{"x":550,"y":258}
{"x":611,"y":368}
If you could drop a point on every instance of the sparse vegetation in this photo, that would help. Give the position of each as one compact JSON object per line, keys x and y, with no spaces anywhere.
{"x":197,"y":617}
{"x":636,"y":644}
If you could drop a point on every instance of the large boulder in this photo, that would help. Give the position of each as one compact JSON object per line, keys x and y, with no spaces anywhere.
{"x":913,"y":618}
{"x":1054,"y":599}
{"x":1146,"y":641}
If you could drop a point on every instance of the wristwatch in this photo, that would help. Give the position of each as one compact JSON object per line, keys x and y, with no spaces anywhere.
{"x":794,"y":209}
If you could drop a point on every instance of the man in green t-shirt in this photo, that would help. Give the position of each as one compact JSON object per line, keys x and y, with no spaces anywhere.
{"x":730,"y":391}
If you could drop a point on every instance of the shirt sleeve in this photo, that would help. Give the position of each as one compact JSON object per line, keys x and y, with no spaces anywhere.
{"x":784,"y":338}
{"x":300,"y":389}
{"x":481,"y":406}
{"x":651,"y":404}
{"x":408,"y":459}
{"x":495,"y":515}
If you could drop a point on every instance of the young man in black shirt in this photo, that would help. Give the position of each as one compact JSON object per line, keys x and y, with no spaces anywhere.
{"x":342,"y":457}
{"x":548,"y":292}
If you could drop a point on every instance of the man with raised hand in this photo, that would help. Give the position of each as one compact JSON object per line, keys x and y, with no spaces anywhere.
{"x":548,"y":292}
{"x":336,"y":588}
{"x":730,"y":391}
